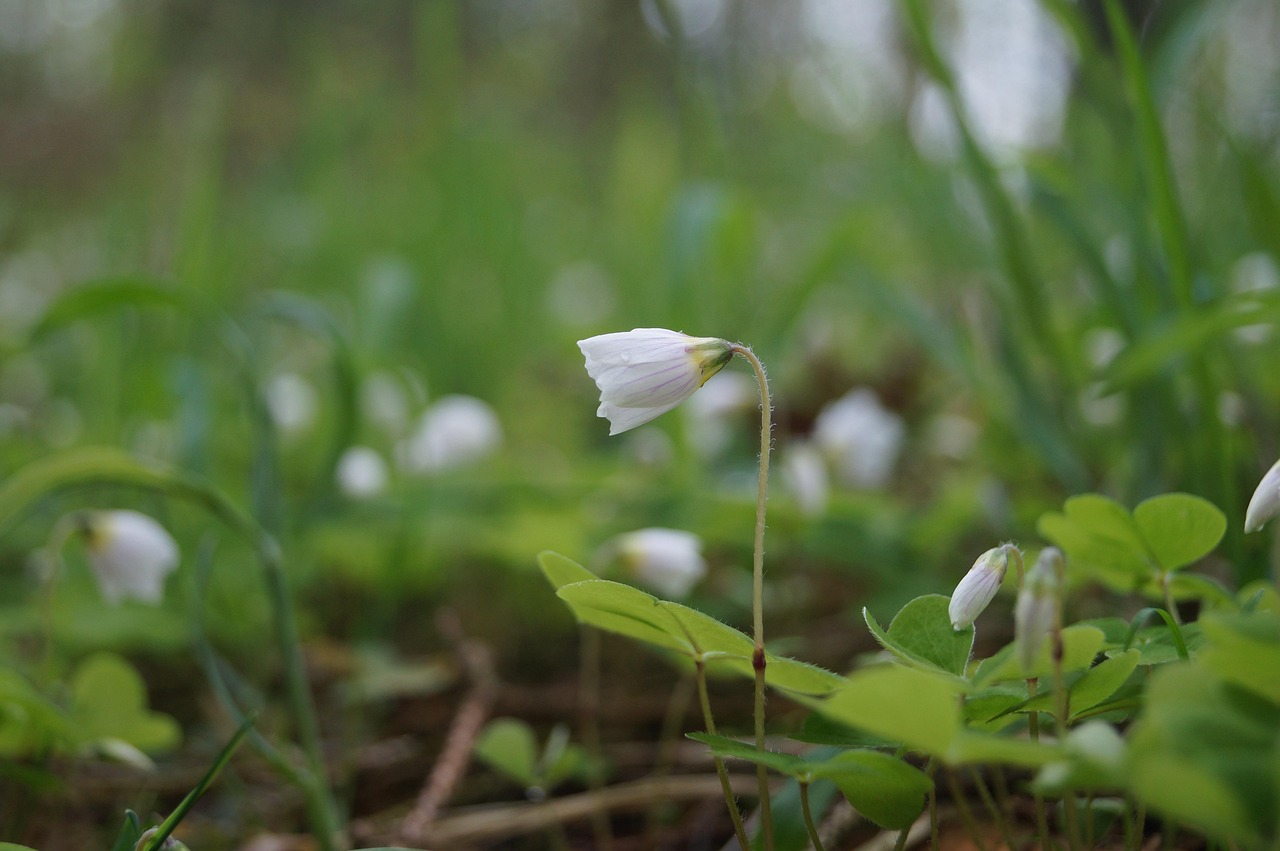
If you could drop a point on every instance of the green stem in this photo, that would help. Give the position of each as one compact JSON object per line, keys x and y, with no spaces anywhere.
{"x":757,"y":584}
{"x":1061,"y":699}
{"x":808,"y":818}
{"x":993,"y":807}
{"x":1033,"y":729}
{"x":739,"y":829}
{"x":962,"y":807}
{"x":590,"y":707}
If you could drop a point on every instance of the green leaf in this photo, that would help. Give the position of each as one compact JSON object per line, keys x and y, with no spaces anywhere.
{"x":130,"y":832}
{"x":1179,"y":528}
{"x":508,"y":745}
{"x":1080,"y":644}
{"x":921,"y":633}
{"x":109,"y":701}
{"x":971,"y":747}
{"x":103,"y":296}
{"x":918,"y":708}
{"x":1245,"y":650}
{"x":1102,"y":680}
{"x":561,"y":570}
{"x":628,"y":611}
{"x":883,"y":788}
{"x":166,"y":828}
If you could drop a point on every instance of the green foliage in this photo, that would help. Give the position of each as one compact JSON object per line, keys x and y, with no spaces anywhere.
{"x":624,"y":610}
{"x":921,"y":633}
{"x":1131,"y":551}
{"x":510,"y":746}
{"x":109,"y":705}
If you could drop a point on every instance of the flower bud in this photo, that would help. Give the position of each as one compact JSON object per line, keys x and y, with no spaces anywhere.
{"x":1036,"y":614}
{"x":1265,"y":503}
{"x":978,"y":587}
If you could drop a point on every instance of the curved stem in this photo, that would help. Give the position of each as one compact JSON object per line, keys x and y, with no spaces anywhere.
{"x":757,"y":583}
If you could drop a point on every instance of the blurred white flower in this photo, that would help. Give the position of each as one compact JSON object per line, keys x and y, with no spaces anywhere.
{"x":129,"y":552}
{"x":457,"y":430}
{"x":362,"y":472}
{"x":667,"y":560}
{"x":953,"y":436}
{"x":710,"y":412}
{"x":384,"y":402}
{"x":646,"y":372}
{"x":804,"y":474}
{"x":292,"y":401}
{"x":861,"y":438}
{"x":1035,"y":615}
{"x":1265,"y":502}
{"x":978,"y":587}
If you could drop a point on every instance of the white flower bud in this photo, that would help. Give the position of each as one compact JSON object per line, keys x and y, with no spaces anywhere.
{"x":1265,"y":503}
{"x":645,"y":372}
{"x":667,"y":560}
{"x":130,"y":554}
{"x":978,"y":587}
{"x":1036,"y":613}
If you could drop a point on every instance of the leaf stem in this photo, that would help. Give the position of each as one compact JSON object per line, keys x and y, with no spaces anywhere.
{"x":814,"y":838}
{"x":739,"y":829}
{"x":757,"y":583}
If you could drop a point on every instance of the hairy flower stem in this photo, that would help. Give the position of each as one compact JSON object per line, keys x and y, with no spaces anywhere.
{"x":739,"y":829}
{"x":1042,"y":819}
{"x":757,"y":583}
{"x":1069,"y":812}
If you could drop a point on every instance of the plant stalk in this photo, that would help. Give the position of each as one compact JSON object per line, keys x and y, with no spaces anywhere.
{"x":814,"y":838}
{"x":757,"y":584}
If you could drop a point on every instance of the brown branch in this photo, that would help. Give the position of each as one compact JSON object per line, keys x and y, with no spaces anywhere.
{"x":471,"y":716}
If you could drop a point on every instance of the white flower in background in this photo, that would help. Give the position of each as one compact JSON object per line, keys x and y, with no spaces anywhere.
{"x":362,"y":472}
{"x":129,"y":552}
{"x":646,"y":372}
{"x":709,"y":414}
{"x":667,"y":560}
{"x":978,"y":587}
{"x":861,"y":437}
{"x":384,"y":402}
{"x":804,"y":474}
{"x":1035,"y":615}
{"x":292,"y":401}
{"x":1265,"y":502}
{"x":953,"y":436}
{"x":455,"y":431}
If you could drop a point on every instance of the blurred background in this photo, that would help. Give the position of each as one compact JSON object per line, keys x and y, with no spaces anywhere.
{"x":990,"y":258}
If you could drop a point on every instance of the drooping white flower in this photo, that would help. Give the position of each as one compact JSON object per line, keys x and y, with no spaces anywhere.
{"x":457,"y":430}
{"x":362,"y":472}
{"x":978,"y":587}
{"x":1265,"y":502}
{"x":667,"y":560}
{"x":645,"y":372}
{"x":130,"y":554}
{"x":861,"y":437}
{"x":1035,"y":615}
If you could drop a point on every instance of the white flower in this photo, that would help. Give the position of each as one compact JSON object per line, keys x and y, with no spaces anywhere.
{"x":361,"y":472}
{"x":646,"y":372}
{"x":454,"y":432}
{"x":1035,"y":615}
{"x":861,"y":437}
{"x":978,"y":587}
{"x":130,"y":554}
{"x":292,"y":401}
{"x":805,"y":475}
{"x":1265,"y":503}
{"x":667,"y":560}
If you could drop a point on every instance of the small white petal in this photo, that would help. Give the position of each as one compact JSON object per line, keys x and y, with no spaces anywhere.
{"x":130,"y":554}
{"x":861,"y":437}
{"x":978,"y":587}
{"x":454,"y":432}
{"x":362,"y":472}
{"x":1265,"y":503}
